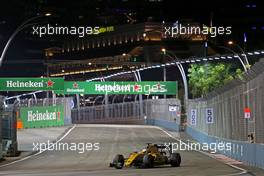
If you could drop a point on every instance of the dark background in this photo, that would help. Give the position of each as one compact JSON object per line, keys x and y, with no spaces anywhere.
{"x":25,"y":56}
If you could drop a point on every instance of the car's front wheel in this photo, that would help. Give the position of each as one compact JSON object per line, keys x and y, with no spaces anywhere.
{"x":148,"y":161}
{"x":119,"y":161}
{"x":175,"y":160}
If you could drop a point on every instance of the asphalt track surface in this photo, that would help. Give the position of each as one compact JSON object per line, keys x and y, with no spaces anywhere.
{"x":113,"y":139}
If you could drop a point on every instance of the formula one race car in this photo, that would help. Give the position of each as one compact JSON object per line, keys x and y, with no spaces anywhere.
{"x":152,"y":155}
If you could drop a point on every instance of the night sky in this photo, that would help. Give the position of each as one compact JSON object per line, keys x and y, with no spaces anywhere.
{"x":25,"y":57}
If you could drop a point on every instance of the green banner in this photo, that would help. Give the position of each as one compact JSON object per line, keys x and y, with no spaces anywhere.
{"x":42,"y":116}
{"x":144,"y":87}
{"x":31,"y":84}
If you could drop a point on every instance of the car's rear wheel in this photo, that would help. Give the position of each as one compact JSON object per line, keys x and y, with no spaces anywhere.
{"x":175,"y":160}
{"x":148,"y":161}
{"x":119,"y":161}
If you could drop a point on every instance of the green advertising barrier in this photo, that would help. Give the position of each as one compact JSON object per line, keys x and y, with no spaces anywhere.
{"x":31,"y":84}
{"x":39,"y":116}
{"x":59,"y":86}
{"x":144,"y":87}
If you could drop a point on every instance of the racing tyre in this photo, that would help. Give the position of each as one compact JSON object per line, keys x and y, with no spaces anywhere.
{"x":119,"y":161}
{"x":175,"y":160}
{"x":148,"y":161}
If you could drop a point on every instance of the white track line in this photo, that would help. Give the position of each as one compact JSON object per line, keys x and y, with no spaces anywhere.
{"x":243,"y":171}
{"x":30,"y":156}
{"x":115,"y":126}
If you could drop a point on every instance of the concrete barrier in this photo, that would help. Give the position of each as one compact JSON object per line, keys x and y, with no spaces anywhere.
{"x":164,"y":123}
{"x":249,"y":153}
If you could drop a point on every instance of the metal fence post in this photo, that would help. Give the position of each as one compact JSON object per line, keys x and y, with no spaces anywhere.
{"x":140,"y":97}
{"x":164,"y":79}
{"x":14,"y":148}
{"x":78,"y":106}
{"x":1,"y":111}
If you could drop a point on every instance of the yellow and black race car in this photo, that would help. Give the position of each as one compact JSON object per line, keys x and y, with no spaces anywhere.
{"x":152,"y":155}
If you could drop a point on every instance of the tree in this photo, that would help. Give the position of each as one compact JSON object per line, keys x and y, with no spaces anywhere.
{"x":203,"y":78}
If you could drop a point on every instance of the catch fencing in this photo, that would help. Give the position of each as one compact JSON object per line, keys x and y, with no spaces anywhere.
{"x":111,"y":113}
{"x":128,"y":112}
{"x":228,"y":105}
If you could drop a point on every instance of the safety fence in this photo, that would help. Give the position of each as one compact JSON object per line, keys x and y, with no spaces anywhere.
{"x":135,"y":112}
{"x":111,"y":113}
{"x":30,"y":113}
{"x":235,"y":111}
{"x":164,"y":113}
{"x":233,"y":114}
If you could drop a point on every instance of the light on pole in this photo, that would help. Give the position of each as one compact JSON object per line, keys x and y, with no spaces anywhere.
{"x":163,"y":50}
{"x":183,"y":74}
{"x":239,"y":58}
{"x":20,"y":28}
{"x":244,"y":54}
{"x":245,"y":40}
{"x":47,"y":14}
{"x":230,"y":42}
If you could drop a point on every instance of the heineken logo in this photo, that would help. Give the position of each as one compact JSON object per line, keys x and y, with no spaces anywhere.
{"x":75,"y":85}
{"x":40,"y":116}
{"x":11,"y":84}
{"x":112,"y":88}
{"x":155,"y":88}
{"x":31,"y":84}
{"x":28,"y":84}
{"x":75,"y":88}
{"x":50,"y":83}
{"x":126,"y":87}
{"x":130,"y":88}
{"x":136,"y":87}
